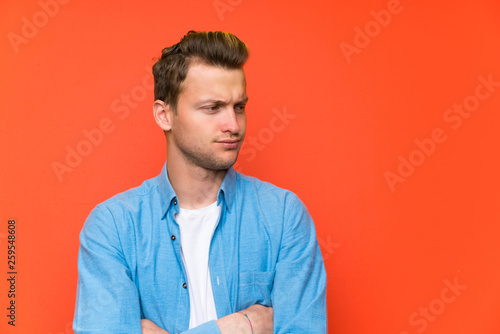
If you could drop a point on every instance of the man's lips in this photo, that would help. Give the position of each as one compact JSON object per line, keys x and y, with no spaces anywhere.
{"x":229,"y":143}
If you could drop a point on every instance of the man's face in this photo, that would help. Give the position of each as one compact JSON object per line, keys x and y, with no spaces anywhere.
{"x":210,"y":123}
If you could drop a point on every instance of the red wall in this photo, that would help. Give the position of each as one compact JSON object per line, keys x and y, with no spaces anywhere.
{"x":378,"y":114}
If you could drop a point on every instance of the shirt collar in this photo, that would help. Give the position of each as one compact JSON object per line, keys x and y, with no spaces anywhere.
{"x":168,"y":197}
{"x":167,"y":193}
{"x":227,"y":189}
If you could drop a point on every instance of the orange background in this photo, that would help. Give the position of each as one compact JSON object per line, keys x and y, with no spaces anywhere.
{"x":389,"y":248}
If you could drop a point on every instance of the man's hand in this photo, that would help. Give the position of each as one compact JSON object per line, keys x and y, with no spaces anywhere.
{"x":149,"y":327}
{"x":236,"y":323}
{"x":261,"y":318}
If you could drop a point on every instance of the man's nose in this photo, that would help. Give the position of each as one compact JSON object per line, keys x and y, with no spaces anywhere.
{"x":230,"y":121}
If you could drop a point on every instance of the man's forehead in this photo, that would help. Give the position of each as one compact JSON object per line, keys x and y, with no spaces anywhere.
{"x":213,"y":78}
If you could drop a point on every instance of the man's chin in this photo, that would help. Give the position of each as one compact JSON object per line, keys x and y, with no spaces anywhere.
{"x":227,"y":163}
{"x":220,"y":164}
{"x":226,"y":166}
{"x":215,"y":162}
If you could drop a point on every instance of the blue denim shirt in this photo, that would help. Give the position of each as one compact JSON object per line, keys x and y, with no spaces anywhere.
{"x":264,"y":251}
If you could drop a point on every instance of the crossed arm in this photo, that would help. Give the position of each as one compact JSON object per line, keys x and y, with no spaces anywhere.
{"x":261,"y":318}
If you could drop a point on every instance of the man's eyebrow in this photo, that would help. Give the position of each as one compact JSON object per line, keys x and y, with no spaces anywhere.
{"x":244,"y":100}
{"x":214,"y":101}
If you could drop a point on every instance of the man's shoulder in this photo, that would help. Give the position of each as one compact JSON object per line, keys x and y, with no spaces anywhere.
{"x":263,"y":189}
{"x":247,"y":181}
{"x":281,"y":206}
{"x":133,"y":196}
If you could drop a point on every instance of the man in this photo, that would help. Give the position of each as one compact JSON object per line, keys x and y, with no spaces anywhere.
{"x":201,"y":248}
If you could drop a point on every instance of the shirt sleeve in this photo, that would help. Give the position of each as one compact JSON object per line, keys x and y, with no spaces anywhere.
{"x":299,"y":291}
{"x":107,"y":299}
{"x":209,"y":327}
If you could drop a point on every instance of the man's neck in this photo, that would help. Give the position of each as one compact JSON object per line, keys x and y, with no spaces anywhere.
{"x":194,"y":186}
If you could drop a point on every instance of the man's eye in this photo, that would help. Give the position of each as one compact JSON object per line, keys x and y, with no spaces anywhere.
{"x":240,"y":108}
{"x":212,"y":108}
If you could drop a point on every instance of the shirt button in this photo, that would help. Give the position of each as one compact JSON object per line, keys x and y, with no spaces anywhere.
{"x":184,"y":285}
{"x":172,"y":237}
{"x":175,"y":202}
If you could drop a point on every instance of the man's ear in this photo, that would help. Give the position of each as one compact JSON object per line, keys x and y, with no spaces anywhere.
{"x":163,"y":115}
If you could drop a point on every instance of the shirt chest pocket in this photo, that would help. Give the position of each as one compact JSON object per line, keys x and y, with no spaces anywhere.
{"x":255,"y":288}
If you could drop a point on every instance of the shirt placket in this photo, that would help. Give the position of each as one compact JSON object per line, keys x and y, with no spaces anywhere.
{"x":183,"y":311}
{"x":217,"y":265}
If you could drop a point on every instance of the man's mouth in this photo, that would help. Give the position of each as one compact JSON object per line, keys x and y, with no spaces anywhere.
{"x":229,"y":143}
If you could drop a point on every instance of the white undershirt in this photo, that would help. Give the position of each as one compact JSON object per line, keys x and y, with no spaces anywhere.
{"x":197,"y":228}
